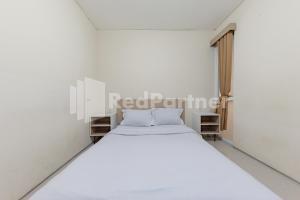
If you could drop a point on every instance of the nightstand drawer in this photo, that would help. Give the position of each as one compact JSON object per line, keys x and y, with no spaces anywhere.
{"x":100,"y":129}
{"x":209,"y":119}
{"x":210,"y":129}
{"x":100,"y":120}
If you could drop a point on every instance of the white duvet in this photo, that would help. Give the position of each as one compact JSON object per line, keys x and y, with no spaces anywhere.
{"x":153,"y":163}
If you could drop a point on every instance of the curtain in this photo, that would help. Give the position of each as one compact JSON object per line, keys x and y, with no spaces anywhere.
{"x":225,"y":51}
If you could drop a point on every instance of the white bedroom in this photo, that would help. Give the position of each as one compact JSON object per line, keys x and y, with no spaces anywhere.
{"x":149,"y":99}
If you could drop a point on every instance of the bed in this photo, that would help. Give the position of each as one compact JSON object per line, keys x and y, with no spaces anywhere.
{"x":167,"y":162}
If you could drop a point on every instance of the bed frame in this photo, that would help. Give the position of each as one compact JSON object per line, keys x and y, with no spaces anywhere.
{"x":142,"y":104}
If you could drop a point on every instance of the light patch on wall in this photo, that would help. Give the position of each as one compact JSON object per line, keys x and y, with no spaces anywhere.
{"x":73,"y":100}
{"x":88,"y":99}
{"x":94,"y":98}
{"x":80,"y":100}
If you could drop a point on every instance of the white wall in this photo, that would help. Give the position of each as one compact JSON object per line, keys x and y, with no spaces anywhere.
{"x":266,"y":82}
{"x":174,"y":63}
{"x":45,"y":46}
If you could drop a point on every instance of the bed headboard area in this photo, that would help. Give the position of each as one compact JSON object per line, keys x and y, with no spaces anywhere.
{"x":142,"y":104}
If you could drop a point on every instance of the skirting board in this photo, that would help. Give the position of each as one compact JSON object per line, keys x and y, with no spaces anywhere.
{"x":55,"y":172}
{"x":231,"y":144}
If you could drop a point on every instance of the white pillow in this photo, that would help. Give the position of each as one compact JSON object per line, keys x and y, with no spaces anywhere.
{"x":167,"y":116}
{"x":137,"y":118}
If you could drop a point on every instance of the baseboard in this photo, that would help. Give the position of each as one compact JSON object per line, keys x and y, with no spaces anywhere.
{"x":56,"y":171}
{"x":254,"y":158}
{"x":229,"y":142}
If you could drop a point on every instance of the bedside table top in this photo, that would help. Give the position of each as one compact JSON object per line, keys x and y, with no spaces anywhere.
{"x":103,"y":115}
{"x":206,"y":113}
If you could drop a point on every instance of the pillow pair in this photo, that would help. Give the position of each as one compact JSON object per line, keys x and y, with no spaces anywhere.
{"x":152,"y":117}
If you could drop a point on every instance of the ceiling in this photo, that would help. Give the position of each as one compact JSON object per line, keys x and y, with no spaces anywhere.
{"x":157,"y":14}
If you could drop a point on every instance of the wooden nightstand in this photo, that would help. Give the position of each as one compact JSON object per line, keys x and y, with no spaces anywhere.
{"x":207,"y":124}
{"x":101,"y":125}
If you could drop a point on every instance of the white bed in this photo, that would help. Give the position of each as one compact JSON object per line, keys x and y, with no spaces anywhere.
{"x":162,"y":163}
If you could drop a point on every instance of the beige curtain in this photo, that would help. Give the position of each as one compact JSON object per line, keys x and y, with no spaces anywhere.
{"x":225,"y":48}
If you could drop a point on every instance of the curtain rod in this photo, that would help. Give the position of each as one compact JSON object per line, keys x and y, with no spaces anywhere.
{"x":230,"y":27}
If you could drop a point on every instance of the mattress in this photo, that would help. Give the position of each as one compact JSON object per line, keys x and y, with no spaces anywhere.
{"x":153,"y":163}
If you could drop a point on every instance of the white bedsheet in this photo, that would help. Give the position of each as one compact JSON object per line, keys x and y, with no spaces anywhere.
{"x":164,"y":163}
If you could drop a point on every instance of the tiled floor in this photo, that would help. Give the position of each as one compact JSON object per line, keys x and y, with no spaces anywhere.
{"x":283,"y":186}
